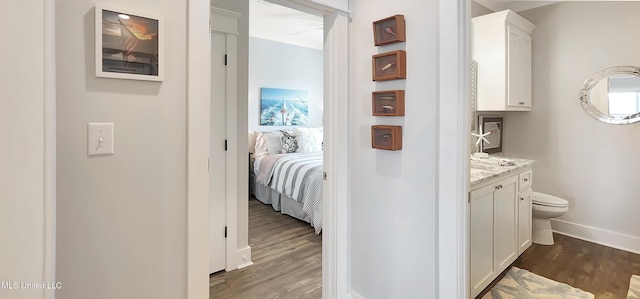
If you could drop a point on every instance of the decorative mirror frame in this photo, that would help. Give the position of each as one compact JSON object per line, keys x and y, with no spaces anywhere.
{"x":585,"y":95}
{"x":474,"y":104}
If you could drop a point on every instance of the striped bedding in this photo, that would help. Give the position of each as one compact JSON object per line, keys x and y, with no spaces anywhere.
{"x":299,"y":176}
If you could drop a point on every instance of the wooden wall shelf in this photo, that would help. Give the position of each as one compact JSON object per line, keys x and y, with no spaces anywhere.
{"x":390,"y":65}
{"x":387,"y":103}
{"x":386,"y":137}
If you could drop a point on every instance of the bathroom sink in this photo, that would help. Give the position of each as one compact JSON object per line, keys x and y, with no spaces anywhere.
{"x":476,"y":170}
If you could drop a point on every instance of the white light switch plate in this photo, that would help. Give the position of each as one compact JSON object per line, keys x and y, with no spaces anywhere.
{"x":100,"y":139}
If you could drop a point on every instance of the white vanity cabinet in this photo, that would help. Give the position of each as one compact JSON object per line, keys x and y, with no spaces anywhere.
{"x":500,"y":226}
{"x":524,"y":211}
{"x":494,"y":216}
{"x":502,"y":48}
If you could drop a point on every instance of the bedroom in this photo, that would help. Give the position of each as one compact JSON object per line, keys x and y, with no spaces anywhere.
{"x":285,"y":103}
{"x":285,"y":79}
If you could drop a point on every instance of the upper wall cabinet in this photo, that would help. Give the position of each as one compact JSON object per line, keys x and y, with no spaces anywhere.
{"x":502,"y":48}
{"x":337,"y":4}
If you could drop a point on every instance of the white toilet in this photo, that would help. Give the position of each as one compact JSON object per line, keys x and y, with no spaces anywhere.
{"x":545,"y":206}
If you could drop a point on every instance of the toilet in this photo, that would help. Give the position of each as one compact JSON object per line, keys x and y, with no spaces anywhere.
{"x":545,"y":207}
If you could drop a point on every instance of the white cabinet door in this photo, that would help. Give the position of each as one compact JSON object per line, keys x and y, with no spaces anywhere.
{"x":502,"y":48}
{"x":481,"y":240}
{"x":518,"y":67}
{"x":217,"y":177}
{"x":505,"y":222}
{"x":524,"y":221}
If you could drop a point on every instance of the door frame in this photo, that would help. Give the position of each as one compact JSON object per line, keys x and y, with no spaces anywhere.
{"x":335,"y":251}
{"x":453,"y":148}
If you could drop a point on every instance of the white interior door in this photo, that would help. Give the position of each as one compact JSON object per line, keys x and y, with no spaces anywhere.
{"x":217,"y":172}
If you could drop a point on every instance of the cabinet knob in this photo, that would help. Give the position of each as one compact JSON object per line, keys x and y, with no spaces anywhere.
{"x":521,"y":103}
{"x":497,"y":187}
{"x":526,"y":179}
{"x":521,"y":198}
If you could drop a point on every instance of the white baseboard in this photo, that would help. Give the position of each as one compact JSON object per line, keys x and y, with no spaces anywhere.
{"x":244,"y":257}
{"x":597,"y":235}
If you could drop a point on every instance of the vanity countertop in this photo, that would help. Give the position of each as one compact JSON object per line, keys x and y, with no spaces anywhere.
{"x":483,"y":170}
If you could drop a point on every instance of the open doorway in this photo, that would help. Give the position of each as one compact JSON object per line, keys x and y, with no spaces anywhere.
{"x":285,"y":99}
{"x":335,"y":172}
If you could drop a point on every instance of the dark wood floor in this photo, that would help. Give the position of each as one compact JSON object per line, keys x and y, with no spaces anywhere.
{"x":287,"y":258}
{"x":600,"y":270}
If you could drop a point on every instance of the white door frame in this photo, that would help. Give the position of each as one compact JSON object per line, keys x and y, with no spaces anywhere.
{"x":453,"y":153}
{"x":49,"y":147}
{"x":225,"y":23}
{"x":198,"y":126}
{"x":335,"y":271}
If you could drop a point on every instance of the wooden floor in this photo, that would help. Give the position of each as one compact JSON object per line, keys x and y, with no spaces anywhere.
{"x":600,"y":270}
{"x":287,"y":258}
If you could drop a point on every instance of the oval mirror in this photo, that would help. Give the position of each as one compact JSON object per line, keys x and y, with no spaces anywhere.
{"x":613,"y":95}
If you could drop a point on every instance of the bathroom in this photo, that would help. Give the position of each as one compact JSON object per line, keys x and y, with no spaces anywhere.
{"x":591,"y":164}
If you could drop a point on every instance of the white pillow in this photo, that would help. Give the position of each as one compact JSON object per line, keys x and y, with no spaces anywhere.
{"x":308,"y":139}
{"x":268,"y":143}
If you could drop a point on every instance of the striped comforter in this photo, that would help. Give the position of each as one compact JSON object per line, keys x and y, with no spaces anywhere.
{"x":299,"y":176}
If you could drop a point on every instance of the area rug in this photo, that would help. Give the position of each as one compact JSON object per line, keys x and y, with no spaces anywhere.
{"x":520,"y":283}
{"x":634,"y":287}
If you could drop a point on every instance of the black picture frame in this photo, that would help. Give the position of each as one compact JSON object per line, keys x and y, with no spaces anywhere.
{"x":493,"y":124}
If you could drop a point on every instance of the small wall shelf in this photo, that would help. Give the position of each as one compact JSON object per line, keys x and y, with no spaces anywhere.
{"x":389,"y":66}
{"x":386,"y":137}
{"x":387,"y":103}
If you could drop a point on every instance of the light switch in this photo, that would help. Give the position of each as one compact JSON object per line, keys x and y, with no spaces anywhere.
{"x":100,"y":139}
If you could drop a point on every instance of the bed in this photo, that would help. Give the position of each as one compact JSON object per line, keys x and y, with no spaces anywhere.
{"x":286,"y":173}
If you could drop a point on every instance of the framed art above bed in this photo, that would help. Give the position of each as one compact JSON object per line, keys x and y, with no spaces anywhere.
{"x":283,"y":107}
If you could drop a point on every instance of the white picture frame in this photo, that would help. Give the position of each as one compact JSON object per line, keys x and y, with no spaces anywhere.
{"x":128,"y":44}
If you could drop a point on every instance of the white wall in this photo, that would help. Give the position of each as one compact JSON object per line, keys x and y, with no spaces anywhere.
{"x":279,"y":65}
{"x":23,"y":168}
{"x":592,"y":164}
{"x":122,"y":218}
{"x":392,"y":211}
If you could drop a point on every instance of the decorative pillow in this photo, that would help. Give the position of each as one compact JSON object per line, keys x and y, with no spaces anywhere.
{"x":289,"y":144}
{"x":268,"y":143}
{"x":309,"y":139}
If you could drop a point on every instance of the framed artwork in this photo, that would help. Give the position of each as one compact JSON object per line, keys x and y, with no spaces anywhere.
{"x":493,"y":126}
{"x":389,"y":30}
{"x":386,"y":137}
{"x":283,"y":107}
{"x":129,"y":45}
{"x":390,"y":65}
{"x":387,"y":103}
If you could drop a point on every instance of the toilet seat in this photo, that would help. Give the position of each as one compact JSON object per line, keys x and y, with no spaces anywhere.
{"x":548,"y":200}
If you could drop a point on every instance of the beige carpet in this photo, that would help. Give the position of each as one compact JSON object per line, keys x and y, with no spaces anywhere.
{"x":520,"y":283}
{"x":634,"y":287}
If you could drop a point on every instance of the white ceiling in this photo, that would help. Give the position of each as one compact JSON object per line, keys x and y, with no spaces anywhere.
{"x":274,"y":22}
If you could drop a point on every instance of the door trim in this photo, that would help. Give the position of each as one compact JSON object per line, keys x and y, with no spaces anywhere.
{"x":198,"y":142}
{"x":335,"y":244}
{"x":453,"y":149}
{"x":49,"y":267}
